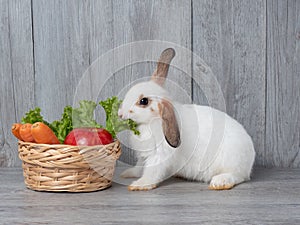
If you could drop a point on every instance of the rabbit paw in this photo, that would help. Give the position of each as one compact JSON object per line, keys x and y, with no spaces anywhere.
{"x":131,"y":173}
{"x":223,"y":181}
{"x":141,"y":185}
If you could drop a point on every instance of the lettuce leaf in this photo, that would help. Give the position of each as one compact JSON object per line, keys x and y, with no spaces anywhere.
{"x":114,"y":124}
{"x":83,"y":116}
{"x":33,"y":116}
{"x":64,"y":126}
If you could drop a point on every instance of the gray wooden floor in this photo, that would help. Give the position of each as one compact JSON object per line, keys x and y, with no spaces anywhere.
{"x":272,"y":197}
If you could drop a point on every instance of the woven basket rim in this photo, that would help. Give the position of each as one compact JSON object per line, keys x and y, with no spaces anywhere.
{"x":64,"y":145}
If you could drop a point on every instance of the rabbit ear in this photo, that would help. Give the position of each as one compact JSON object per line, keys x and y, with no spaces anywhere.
{"x":169,"y":123}
{"x":161,"y":72}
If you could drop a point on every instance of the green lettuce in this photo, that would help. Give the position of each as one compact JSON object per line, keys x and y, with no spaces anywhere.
{"x":83,"y":116}
{"x":64,"y":126}
{"x":33,"y":116}
{"x":114,"y":124}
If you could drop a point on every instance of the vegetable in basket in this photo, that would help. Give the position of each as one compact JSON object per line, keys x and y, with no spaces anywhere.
{"x":91,"y":136}
{"x":25,"y":132}
{"x":88,"y":137}
{"x":33,"y":116}
{"x":83,"y":116}
{"x":80,"y":120}
{"x":15,"y":129}
{"x":113,"y":123}
{"x":42,"y":134}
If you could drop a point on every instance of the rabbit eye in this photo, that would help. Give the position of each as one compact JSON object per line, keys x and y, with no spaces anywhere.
{"x":144,"y":101}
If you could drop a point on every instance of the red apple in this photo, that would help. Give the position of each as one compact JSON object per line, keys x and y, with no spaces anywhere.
{"x":88,"y":137}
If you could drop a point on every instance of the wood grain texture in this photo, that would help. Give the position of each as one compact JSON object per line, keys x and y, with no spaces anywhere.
{"x":230,"y":37}
{"x":16,"y":73}
{"x":271,"y":197}
{"x":151,"y":20}
{"x":61,"y":46}
{"x":283,"y":82}
{"x":168,"y":21}
{"x":100,"y":42}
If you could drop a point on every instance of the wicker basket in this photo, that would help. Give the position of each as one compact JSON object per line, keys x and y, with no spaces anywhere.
{"x":66,"y":168}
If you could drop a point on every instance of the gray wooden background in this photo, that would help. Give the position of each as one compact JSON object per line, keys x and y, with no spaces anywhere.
{"x":252,"y":48}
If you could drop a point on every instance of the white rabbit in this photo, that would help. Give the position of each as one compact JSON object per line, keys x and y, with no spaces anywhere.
{"x":190,"y":141}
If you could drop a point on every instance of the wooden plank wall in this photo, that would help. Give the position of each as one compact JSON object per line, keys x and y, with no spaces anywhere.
{"x":252,"y":48}
{"x":16,"y":72}
{"x":234,"y":45}
{"x":283,"y":84}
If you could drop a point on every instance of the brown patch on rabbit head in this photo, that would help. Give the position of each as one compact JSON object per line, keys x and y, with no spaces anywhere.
{"x":161,"y":72}
{"x":138,"y":103}
{"x":169,"y":123}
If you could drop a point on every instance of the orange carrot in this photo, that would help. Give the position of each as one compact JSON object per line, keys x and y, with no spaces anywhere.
{"x":25,"y":132}
{"x":43,"y":134}
{"x":15,"y":130}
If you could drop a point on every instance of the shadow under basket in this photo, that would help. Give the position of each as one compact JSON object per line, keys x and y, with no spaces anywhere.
{"x":66,"y":168}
